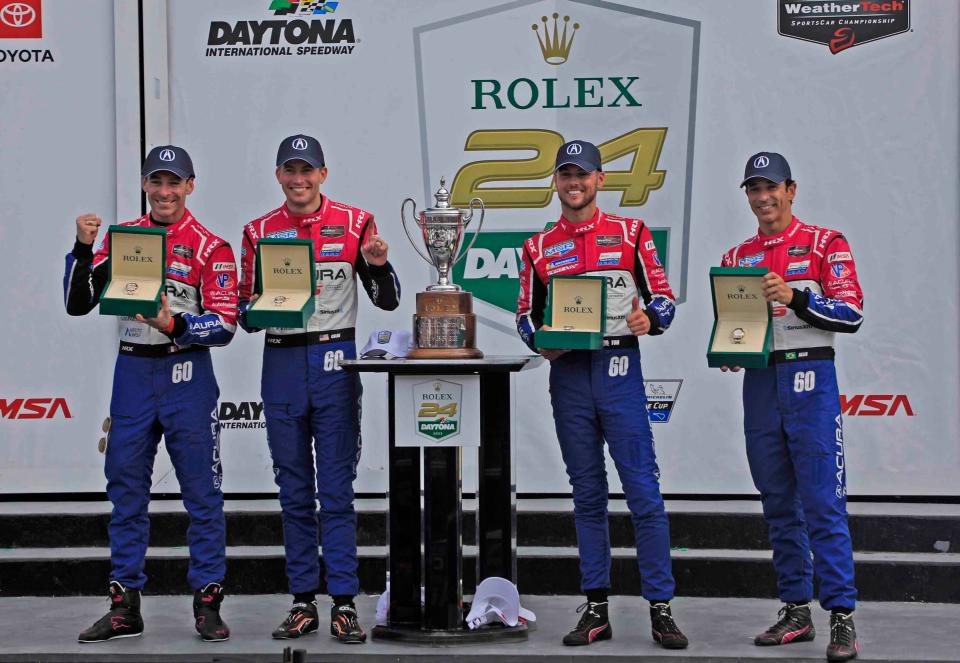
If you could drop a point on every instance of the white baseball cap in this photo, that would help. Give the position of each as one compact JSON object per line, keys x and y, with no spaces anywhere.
{"x":387,"y":344}
{"x":497,"y":600}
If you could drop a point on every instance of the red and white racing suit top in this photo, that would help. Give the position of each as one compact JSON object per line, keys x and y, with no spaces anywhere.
{"x":617,"y":248}
{"x":338,"y":231}
{"x":818,"y":265}
{"x":201,"y":287}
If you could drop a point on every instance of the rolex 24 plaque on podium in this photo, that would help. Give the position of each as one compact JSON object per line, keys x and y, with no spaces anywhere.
{"x":444,"y":326}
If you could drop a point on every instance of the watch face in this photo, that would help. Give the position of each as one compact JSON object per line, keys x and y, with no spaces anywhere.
{"x":737,"y":335}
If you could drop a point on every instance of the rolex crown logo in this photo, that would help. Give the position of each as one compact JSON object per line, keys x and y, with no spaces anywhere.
{"x":138,"y":250}
{"x":556,"y":46}
{"x":579,"y":300}
{"x":741,"y":289}
{"x":286,"y":262}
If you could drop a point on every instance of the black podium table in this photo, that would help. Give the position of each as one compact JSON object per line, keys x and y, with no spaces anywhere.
{"x":439,"y":569}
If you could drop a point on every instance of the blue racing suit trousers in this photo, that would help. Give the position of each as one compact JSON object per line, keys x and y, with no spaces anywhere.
{"x":599,"y":395}
{"x":174,"y":396}
{"x":794,"y":434}
{"x":312,"y":409}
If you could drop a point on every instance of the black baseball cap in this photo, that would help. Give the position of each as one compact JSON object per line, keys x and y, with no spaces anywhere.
{"x":171,"y":158}
{"x":768,"y":165}
{"x":305,"y":148}
{"x":579,"y":153}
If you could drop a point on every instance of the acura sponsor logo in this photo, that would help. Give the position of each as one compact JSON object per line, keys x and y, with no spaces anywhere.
{"x":167,"y":155}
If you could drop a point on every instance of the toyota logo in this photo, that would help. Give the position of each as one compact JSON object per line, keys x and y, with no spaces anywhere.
{"x":18,"y":15}
{"x":167,"y":155}
{"x":299,"y":144}
{"x":576,"y":148}
{"x":761,"y":162}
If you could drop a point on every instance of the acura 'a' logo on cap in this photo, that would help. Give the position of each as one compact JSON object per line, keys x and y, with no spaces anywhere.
{"x":576,"y":148}
{"x":167,"y":155}
{"x":299,"y":144}
{"x":761,"y":162}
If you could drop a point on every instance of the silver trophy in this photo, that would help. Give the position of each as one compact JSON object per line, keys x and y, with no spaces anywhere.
{"x":444,"y":325}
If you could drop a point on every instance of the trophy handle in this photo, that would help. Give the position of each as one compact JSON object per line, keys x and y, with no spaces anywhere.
{"x":403,"y":221}
{"x":476,"y":233}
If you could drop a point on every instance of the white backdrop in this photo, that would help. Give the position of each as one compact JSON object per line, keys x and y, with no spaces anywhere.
{"x":871,"y":134}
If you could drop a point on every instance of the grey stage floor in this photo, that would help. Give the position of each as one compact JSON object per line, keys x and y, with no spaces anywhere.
{"x":44,"y":629}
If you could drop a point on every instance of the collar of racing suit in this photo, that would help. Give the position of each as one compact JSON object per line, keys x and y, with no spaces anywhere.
{"x":176,"y":226}
{"x":574,"y":228}
{"x":307,"y":219}
{"x":767,"y":241}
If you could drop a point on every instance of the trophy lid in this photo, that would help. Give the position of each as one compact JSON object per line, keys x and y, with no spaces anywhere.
{"x":442,"y":204}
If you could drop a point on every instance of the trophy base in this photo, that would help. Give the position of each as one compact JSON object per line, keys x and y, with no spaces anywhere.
{"x":444,"y":326}
{"x":445,"y":353}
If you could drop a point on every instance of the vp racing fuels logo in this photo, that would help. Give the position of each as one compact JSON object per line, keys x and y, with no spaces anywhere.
{"x":842,"y":24}
{"x":303,"y":28}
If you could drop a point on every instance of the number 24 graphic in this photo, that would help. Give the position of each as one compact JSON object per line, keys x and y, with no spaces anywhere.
{"x":635,"y":184}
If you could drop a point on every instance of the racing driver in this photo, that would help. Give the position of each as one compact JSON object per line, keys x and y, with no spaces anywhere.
{"x":312,"y":406}
{"x":163,"y":384}
{"x":791,"y":408}
{"x":599,"y":395}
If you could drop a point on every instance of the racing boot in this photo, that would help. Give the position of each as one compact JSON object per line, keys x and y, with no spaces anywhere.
{"x":665,"y":630}
{"x":302,"y":620}
{"x":122,"y":621}
{"x":345,"y":624}
{"x":843,"y":638}
{"x":794,"y":625}
{"x":206,"y":612}
{"x":594,"y":625}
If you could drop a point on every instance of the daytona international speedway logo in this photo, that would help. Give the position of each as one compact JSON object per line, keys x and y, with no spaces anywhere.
{"x":295,"y":28}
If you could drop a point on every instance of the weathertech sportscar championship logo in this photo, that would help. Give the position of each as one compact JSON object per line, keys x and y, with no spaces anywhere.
{"x":842,"y":24}
{"x":303,"y":28}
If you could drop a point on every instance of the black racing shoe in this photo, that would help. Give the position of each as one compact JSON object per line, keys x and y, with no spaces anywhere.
{"x":206,"y":613}
{"x":843,"y":638}
{"x":122,"y":621}
{"x":345,"y":624}
{"x":302,"y":620}
{"x":795,"y":625}
{"x":593,"y":625}
{"x":665,"y":630}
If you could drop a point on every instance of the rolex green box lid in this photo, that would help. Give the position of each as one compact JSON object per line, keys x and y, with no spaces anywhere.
{"x":286,"y":283}
{"x":576,"y":313}
{"x":137,"y":271}
{"x":742,"y":332}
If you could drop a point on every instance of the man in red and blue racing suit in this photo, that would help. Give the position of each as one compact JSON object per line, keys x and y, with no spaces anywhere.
{"x":312,"y":406}
{"x":791,"y":409}
{"x":598,"y":395}
{"x":163,"y":384}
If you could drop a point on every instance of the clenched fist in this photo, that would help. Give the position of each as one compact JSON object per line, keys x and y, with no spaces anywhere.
{"x":88,"y":225}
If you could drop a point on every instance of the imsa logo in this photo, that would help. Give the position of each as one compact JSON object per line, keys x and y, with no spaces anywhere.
{"x":34,"y":408}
